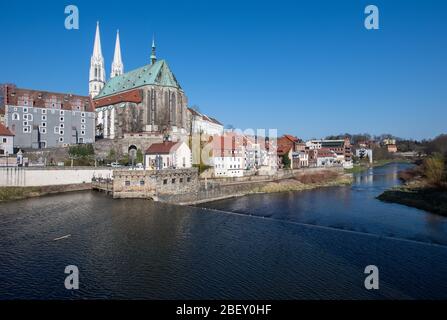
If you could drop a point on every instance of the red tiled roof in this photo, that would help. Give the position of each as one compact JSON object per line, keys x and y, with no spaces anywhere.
{"x":163,"y":148}
{"x":40,"y":99}
{"x":5,"y":131}
{"x":325,"y":152}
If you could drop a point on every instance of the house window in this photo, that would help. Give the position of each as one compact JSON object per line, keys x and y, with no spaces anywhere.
{"x":82,"y":114}
{"x":165,"y":181}
{"x":15,"y":116}
{"x":44,"y":118}
{"x":83,"y":132}
{"x":44,"y":111}
{"x":82,"y":120}
{"x":61,"y":112}
{"x":188,"y":179}
{"x":83,"y":126}
{"x":43,"y":130}
{"x":25,"y":129}
{"x":61,"y":132}
{"x":25,"y":110}
{"x":62,"y":119}
{"x":127,"y":183}
{"x":61,"y":139}
{"x":81,"y":140}
{"x":61,"y":125}
{"x":43,"y":124}
{"x":4,"y":140}
{"x":181,"y":180}
{"x":173,"y":181}
{"x":25,"y":123}
{"x":141,"y":182}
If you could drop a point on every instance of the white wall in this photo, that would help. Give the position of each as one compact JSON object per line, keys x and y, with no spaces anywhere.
{"x":31,"y":177}
{"x":8,"y":146}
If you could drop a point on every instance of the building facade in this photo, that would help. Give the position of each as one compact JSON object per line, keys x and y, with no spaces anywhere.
{"x":6,"y":141}
{"x":228,"y":155}
{"x":203,"y":124}
{"x":145,"y":100}
{"x":168,"y":155}
{"x":41,"y":119}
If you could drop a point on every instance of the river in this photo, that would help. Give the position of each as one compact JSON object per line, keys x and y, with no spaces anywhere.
{"x":297,"y":245}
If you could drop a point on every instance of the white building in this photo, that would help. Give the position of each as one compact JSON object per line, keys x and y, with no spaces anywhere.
{"x":326,"y":158}
{"x":203,"y":124}
{"x":301,"y":159}
{"x":228,"y":156}
{"x":6,"y":141}
{"x":168,"y":155}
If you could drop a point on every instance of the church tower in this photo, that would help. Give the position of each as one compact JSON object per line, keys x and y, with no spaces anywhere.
{"x":97,"y":77}
{"x":117,"y":64}
{"x":153,"y":56}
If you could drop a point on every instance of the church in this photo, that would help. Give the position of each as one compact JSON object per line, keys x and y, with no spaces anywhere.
{"x":148,"y":101}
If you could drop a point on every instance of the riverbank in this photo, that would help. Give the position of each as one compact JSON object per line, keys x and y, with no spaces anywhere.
{"x":419,"y":190}
{"x":429,"y":199}
{"x":302,"y":182}
{"x":20,"y":193}
{"x":379,"y":163}
{"x":305,"y":183}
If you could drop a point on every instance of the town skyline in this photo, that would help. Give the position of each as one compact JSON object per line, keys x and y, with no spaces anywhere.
{"x":406,"y":103}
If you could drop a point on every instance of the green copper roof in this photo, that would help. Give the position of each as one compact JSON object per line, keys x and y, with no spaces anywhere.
{"x":152,"y":74}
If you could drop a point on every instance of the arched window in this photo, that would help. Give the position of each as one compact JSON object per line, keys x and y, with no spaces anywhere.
{"x":15,"y":116}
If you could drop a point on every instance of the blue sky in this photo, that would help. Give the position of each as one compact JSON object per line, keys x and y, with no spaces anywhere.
{"x":309,"y":68}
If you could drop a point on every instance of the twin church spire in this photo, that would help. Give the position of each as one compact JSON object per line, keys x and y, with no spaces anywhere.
{"x":97,"y":77}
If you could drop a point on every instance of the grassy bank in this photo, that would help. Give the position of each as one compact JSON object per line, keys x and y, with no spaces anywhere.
{"x":429,"y":199}
{"x":425,"y":186}
{"x":365,"y":166}
{"x":19,"y":193}
{"x":305,"y":182}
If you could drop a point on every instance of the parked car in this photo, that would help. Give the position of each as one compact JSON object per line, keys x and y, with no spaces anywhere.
{"x":115,"y":165}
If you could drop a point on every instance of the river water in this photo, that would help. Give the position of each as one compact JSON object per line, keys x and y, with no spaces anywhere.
{"x":297,"y":245}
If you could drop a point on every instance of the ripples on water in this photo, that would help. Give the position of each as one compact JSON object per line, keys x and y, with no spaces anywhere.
{"x":142,"y":250}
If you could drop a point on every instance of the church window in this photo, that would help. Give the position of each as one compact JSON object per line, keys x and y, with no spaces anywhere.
{"x":15,"y":116}
{"x":61,"y":112}
{"x":44,"y":111}
{"x":61,"y":125}
{"x":61,"y":139}
{"x":83,"y":133}
{"x":61,"y":132}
